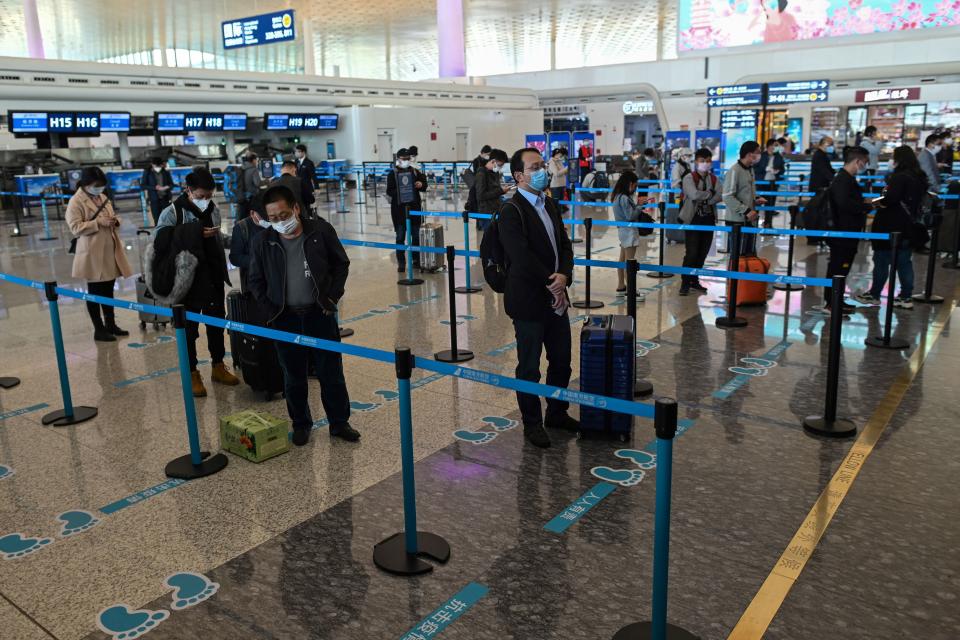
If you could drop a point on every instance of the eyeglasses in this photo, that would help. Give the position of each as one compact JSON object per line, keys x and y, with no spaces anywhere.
{"x":280,"y":216}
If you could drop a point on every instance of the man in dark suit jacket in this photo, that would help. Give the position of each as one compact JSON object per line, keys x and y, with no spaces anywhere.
{"x":288,"y":178}
{"x":307,"y":172}
{"x":850,"y":214}
{"x":821,"y":172}
{"x":158,"y":184}
{"x":404,"y":186}
{"x":540,"y":267}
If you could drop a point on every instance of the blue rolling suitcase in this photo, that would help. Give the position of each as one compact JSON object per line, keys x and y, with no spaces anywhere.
{"x":607,"y":368}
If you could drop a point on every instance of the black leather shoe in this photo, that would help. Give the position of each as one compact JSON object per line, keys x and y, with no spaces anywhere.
{"x":345,"y":431}
{"x":102,"y":335}
{"x":401,"y":268}
{"x":117,"y":331}
{"x":562,"y":421}
{"x":536,"y":435}
{"x":301,"y":437}
{"x":699,"y":287}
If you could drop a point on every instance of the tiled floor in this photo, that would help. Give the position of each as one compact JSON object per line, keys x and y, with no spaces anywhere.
{"x":289,"y":541}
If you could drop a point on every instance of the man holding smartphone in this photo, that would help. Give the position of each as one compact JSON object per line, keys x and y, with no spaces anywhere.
{"x":206,"y":295}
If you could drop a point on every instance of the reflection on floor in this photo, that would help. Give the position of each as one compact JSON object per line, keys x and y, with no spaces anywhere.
{"x":96,"y":542}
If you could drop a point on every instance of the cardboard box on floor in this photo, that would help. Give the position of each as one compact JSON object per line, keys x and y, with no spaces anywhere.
{"x":254,"y":435}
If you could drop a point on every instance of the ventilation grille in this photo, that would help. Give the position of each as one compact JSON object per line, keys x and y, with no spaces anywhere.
{"x":262,"y":88}
{"x":139,"y":83}
{"x":195,"y":85}
{"x":239,"y":86}
{"x":303,"y":89}
{"x":109,"y":82}
{"x":218,"y":86}
{"x":10,"y":78}
{"x":78,"y":81}
{"x":44,"y":79}
{"x":165,"y":83}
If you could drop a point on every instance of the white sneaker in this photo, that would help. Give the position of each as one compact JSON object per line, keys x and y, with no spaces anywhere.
{"x":903,"y":303}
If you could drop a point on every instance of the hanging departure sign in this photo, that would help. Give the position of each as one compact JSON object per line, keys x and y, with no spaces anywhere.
{"x":738,"y":119}
{"x":737,"y":95}
{"x":180,"y":122}
{"x":798,"y":91}
{"x":256,"y":30}
{"x":301,"y":121}
{"x":70,"y":122}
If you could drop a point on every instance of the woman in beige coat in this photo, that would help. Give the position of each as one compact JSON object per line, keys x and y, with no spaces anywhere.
{"x":99,"y":258}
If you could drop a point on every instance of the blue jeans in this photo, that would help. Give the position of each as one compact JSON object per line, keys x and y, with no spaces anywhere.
{"x":295,"y":361}
{"x":881,"y":271}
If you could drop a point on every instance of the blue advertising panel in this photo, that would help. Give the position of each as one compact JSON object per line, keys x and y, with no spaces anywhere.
{"x":256,"y":30}
{"x":732,"y":140}
{"x":124,"y":181}
{"x":558,"y":140}
{"x":537,"y":141}
{"x":674,"y":140}
{"x":115,"y":122}
{"x":178,"y":175}
{"x":795,"y":130}
{"x":169,"y":122}
{"x":37,"y":184}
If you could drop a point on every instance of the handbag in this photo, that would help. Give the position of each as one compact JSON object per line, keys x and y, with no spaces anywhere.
{"x":73,"y":241}
{"x":647,"y":219}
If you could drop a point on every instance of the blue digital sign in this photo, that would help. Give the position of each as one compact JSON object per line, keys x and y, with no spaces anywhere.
{"x":798,"y":91}
{"x":169,"y":122}
{"x":118,"y":122}
{"x":183,"y":122}
{"x":234,"y":122}
{"x":737,"y":95}
{"x":27,"y":122}
{"x":256,"y":30}
{"x":301,"y":121}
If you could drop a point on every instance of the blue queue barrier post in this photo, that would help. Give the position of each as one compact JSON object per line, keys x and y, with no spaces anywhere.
{"x":46,"y":220}
{"x":70,"y":414}
{"x":827,"y":424}
{"x":573,"y":215}
{"x":587,"y":303}
{"x":928,"y":297}
{"x":197,"y":463}
{"x":409,"y":281}
{"x":468,"y":281}
{"x":663,"y":244}
{"x":401,"y":553}
{"x":9,"y":382}
{"x":787,"y":286}
{"x":657,"y":628}
{"x":886,"y":341}
{"x":453,"y":354}
{"x":641,"y":388}
{"x":731,"y":321}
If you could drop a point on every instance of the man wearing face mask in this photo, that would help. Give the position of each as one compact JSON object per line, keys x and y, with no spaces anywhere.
{"x":249,"y":185}
{"x":850,"y":214}
{"x":928,"y":160}
{"x":945,"y":157}
{"x":404,"y":186}
{"x":307,"y":173}
{"x":701,"y":193}
{"x":539,"y":256}
{"x":873,"y":146}
{"x":157,"y":182}
{"x":241,"y":245}
{"x":740,"y":195}
{"x":413,"y":157}
{"x":821,"y":173}
{"x":481,"y":159}
{"x":489,"y":187}
{"x":768,"y":170}
{"x":298,"y":272}
{"x":206,"y":294}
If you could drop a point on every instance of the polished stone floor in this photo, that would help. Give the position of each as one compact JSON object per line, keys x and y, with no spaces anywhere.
{"x":285,"y":547}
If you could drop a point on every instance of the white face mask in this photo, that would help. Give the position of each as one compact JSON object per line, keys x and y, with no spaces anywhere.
{"x":263,"y":223}
{"x":200,"y":204}
{"x":485,"y":156}
{"x":948,"y":141}
{"x":935,"y":149}
{"x":498,"y":168}
{"x":703,"y":167}
{"x":158,"y":169}
{"x":94,"y":191}
{"x":404,"y":164}
{"x":286,"y":227}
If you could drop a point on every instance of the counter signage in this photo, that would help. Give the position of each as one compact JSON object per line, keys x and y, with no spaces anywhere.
{"x":301,"y":121}
{"x":256,"y":30}
{"x":169,"y":122}
{"x":66,"y":122}
{"x":182,"y":122}
{"x":27,"y":122}
{"x":115,"y":122}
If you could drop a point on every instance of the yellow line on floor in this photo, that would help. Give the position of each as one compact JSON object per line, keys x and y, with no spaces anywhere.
{"x":768,"y":600}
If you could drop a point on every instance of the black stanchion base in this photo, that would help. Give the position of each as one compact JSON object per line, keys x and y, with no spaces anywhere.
{"x":345,"y":333}
{"x":9,"y":383}
{"x":894,"y":343}
{"x":184,"y":469}
{"x":642,"y":389}
{"x":658,"y":275}
{"x":343,"y":211}
{"x":59,"y":418}
{"x":839,"y":428}
{"x":48,"y":239}
{"x":391,"y":554}
{"x":725,"y":322}
{"x":447,"y":355}
{"x":19,"y":234}
{"x":781,"y":286}
{"x":919,"y":297}
{"x":576,"y":241}
{"x":470,"y":289}
{"x":410,"y":282}
{"x":585,"y":304}
{"x":644,"y":631}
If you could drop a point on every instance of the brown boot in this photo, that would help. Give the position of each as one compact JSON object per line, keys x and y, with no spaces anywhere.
{"x":222,"y":375}
{"x":199,"y":391}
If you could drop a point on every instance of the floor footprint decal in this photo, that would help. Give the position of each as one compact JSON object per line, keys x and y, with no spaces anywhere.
{"x":190,"y":589}
{"x":474,"y":437}
{"x":763,"y":363}
{"x":120,"y":623}
{"x":499,"y":423}
{"x":622,"y":477}
{"x":748,"y":371}
{"x":642,"y":459}
{"x":5,"y":472}
{"x":15,"y":545}
{"x":386,"y":394}
{"x":75,"y":522}
{"x":363,"y":407}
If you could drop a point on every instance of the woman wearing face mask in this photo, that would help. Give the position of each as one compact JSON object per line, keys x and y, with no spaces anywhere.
{"x":626,"y":208}
{"x":558,"y":174}
{"x":99,"y":257}
{"x":156,"y":181}
{"x":700,"y":198}
{"x":489,"y":187}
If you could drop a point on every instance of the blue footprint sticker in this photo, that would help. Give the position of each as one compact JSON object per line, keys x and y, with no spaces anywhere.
{"x":120,"y":623}
{"x":748,"y":371}
{"x":642,"y":459}
{"x":499,"y":423}
{"x":763,"y":363}
{"x":75,"y":522}
{"x":364,"y":407}
{"x":14,"y":545}
{"x":474,"y":437}
{"x":191,"y":589}
{"x":622,"y":477}
{"x":5,"y":472}
{"x":386,"y":395}
{"x":648,"y":344}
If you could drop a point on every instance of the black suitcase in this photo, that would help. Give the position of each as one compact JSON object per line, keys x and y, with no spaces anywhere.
{"x":255,"y":357}
{"x":607,"y":359}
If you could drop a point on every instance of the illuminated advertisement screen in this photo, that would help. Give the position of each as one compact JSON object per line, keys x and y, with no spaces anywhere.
{"x":709,"y":24}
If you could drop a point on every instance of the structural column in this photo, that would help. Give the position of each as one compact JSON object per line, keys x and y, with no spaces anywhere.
{"x":31,"y":24}
{"x":453,"y":58}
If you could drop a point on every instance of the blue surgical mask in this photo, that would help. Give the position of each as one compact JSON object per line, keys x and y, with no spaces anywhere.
{"x":830,"y":149}
{"x":539,"y":180}
{"x":201,"y":204}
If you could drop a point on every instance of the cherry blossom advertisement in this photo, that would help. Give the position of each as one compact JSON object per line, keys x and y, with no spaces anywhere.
{"x":708,"y":24}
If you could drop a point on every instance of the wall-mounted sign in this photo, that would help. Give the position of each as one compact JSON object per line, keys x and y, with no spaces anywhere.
{"x":80,"y":122}
{"x":301,"y":121}
{"x":255,"y":30}
{"x":631,"y":108}
{"x":888,"y":95}
{"x":735,"y":95}
{"x":180,"y":122}
{"x":738,"y":119}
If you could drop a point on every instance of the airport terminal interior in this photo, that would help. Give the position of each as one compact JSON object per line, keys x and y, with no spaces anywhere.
{"x":614,"y":320}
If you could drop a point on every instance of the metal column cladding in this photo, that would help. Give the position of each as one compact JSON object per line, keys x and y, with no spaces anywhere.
{"x":453,"y":62}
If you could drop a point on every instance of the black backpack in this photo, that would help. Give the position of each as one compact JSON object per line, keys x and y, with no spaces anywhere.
{"x":471,"y":205}
{"x":492,"y":256}
{"x":818,"y":214}
{"x":469,"y":177}
{"x":600,"y":180}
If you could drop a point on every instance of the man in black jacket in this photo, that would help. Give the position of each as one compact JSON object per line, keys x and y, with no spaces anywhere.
{"x":540,"y":267}
{"x":307,"y":173}
{"x":767,"y":172}
{"x":850,"y":214}
{"x":404,"y":186}
{"x":298,"y":271}
{"x":821,"y":172}
{"x":158,"y":184}
{"x":288,"y":178}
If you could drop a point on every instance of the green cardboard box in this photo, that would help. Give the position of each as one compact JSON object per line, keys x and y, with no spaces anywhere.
{"x":254,"y":435}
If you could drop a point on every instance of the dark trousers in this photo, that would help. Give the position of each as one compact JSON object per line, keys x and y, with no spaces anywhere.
{"x":842,"y":253}
{"x":771,"y":202}
{"x":295,"y":362}
{"x":400,"y":228}
{"x":103,"y":289}
{"x":881,"y":270}
{"x":698,"y":245}
{"x":553,"y":334}
{"x":214,"y":307}
{"x":748,"y":242}
{"x":157,"y":205}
